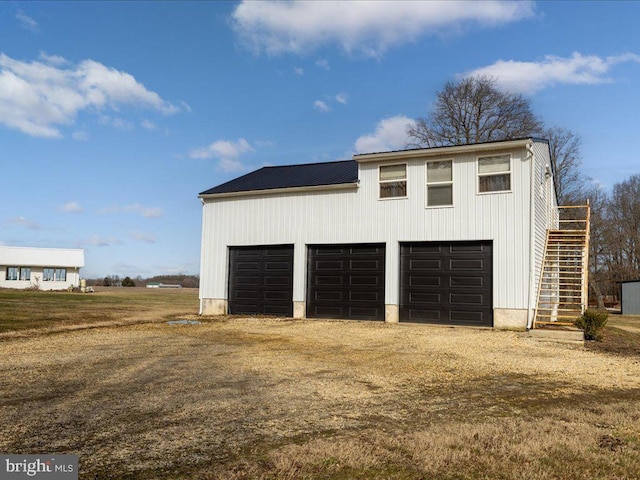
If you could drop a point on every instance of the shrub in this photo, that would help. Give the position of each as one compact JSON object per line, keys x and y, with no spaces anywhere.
{"x":591,"y":322}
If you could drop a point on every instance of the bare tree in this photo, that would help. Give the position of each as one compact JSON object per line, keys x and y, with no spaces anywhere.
{"x":564,"y":150}
{"x":473,"y":110}
{"x":598,"y":265}
{"x":623,"y":220}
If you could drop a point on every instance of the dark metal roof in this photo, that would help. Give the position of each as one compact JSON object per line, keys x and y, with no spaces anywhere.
{"x":291,"y":176}
{"x":535,"y":139}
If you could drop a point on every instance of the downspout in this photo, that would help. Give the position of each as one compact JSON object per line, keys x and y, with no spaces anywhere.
{"x":200,"y":309}
{"x":532,"y":226}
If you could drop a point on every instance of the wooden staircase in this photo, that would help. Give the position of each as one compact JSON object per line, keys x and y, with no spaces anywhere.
{"x":563,"y":283}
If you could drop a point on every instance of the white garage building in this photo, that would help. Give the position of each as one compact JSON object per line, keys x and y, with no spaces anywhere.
{"x":449,"y":235}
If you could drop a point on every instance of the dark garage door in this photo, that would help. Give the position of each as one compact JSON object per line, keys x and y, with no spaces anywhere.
{"x":261,"y":280}
{"x":346,"y":281}
{"x":446,"y":282}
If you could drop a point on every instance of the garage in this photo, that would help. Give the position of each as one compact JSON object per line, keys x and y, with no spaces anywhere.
{"x":261,"y":280}
{"x":346,"y":281}
{"x":448,"y":283}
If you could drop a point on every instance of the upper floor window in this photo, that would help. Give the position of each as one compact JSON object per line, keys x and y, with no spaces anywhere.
{"x":494,"y":173}
{"x":439,"y":183}
{"x":12,"y":273}
{"x":393,"y":181}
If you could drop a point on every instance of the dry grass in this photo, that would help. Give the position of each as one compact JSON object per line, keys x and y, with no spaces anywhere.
{"x":52,"y":311}
{"x":237,"y":398}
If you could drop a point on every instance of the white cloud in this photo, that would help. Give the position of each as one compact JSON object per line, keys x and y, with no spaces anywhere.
{"x":390,"y":134}
{"x":298,"y":71}
{"x":147,"y":212}
{"x":342,"y":98}
{"x":38,"y":97}
{"x":226,"y":152}
{"x":99,"y":241}
{"x":531,"y":77}
{"x":148,"y":125}
{"x":27,"y":22}
{"x":321,"y":106}
{"x":115,"y":122}
{"x":143,"y":237}
{"x":53,"y":59}
{"x":72,"y":207}
{"x":323,"y":63}
{"x":80,"y":136}
{"x":22,"y":222}
{"x":369,"y":27}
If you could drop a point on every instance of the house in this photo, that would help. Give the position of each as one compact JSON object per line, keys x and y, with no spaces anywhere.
{"x":630,"y":297}
{"x":449,"y":235}
{"x":44,"y":268}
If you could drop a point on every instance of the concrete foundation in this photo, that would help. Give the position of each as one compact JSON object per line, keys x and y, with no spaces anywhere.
{"x":391,"y":313}
{"x":511,"y":319}
{"x":213,"y":306}
{"x":299,"y":310}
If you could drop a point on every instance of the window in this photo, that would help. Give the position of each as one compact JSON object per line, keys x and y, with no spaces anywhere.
{"x":439,"y":183}
{"x":25,"y":273}
{"x":48,"y":274}
{"x":12,"y":273}
{"x":494,"y":174}
{"x":61,"y":274}
{"x":393,"y":181}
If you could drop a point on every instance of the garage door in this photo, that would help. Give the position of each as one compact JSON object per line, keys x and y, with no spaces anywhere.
{"x":446,"y":282}
{"x":261,"y":280}
{"x":346,"y":281}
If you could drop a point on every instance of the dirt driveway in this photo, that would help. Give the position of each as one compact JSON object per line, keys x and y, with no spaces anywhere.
{"x":272,"y":398}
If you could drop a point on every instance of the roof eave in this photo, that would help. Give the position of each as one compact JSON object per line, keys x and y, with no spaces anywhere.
{"x":440,"y":151}
{"x":275,"y":191}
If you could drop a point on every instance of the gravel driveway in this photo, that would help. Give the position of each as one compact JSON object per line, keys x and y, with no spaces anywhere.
{"x":144,"y":400}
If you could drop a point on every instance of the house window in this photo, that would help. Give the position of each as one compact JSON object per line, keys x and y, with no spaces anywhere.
{"x":12,"y":273}
{"x":61,"y":274}
{"x":439,"y":183}
{"x":494,"y":174}
{"x":48,"y":274}
{"x":393,"y":181}
{"x":25,"y":273}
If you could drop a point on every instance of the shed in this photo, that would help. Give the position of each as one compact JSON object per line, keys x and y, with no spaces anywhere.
{"x":631,"y":297}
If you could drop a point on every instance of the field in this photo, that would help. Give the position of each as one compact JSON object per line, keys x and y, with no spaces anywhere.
{"x":106,"y":377}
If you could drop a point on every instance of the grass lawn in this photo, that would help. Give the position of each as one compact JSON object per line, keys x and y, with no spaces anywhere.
{"x":24,"y":310}
{"x":270,"y":398}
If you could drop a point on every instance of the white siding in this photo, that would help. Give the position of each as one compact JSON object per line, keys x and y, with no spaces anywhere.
{"x":359,"y":216}
{"x":37,"y":259}
{"x":545,"y":209}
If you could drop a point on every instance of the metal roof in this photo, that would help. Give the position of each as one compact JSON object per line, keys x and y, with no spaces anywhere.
{"x":291,"y":176}
{"x":41,"y":257}
{"x":437,"y":149}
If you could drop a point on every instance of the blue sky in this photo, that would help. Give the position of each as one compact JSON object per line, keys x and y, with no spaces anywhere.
{"x":115,"y":115}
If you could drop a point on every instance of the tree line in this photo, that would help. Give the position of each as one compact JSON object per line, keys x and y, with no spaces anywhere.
{"x":185,"y":281}
{"x":474,"y":110}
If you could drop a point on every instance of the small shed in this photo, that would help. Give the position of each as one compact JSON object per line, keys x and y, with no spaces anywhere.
{"x":631,"y":297}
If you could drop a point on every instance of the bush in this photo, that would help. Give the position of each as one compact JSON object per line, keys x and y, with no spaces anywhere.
{"x":591,"y":323}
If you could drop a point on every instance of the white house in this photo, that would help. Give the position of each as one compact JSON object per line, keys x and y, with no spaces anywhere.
{"x":449,"y":235}
{"x":46,"y":268}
